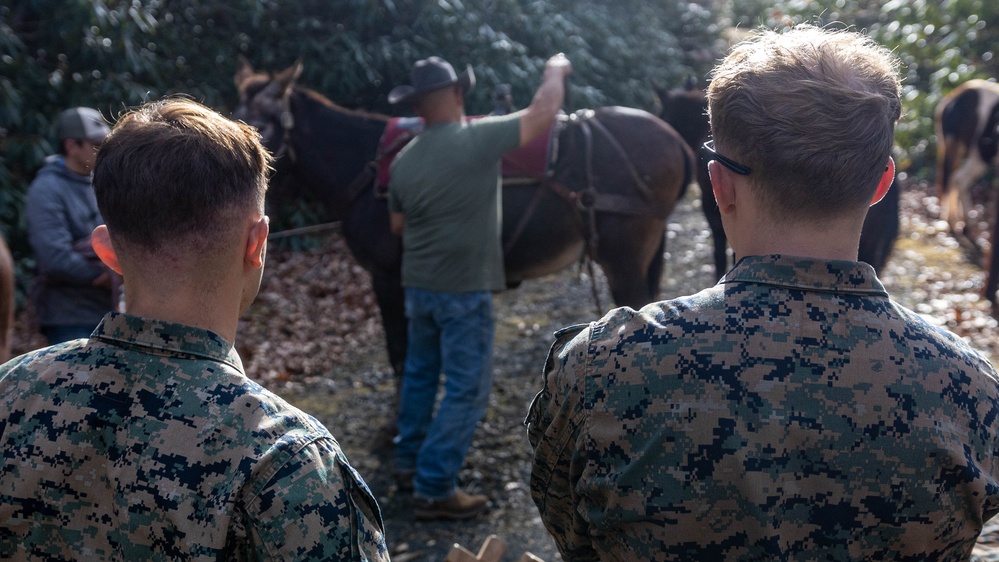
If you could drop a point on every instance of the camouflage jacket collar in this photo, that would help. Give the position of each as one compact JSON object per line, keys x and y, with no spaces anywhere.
{"x":135,"y":331}
{"x":809,"y":274}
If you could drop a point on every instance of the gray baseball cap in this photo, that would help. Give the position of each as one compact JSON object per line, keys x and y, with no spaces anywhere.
{"x":81,"y":123}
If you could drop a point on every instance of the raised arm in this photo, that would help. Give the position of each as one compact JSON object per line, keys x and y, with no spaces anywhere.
{"x":538,"y":117}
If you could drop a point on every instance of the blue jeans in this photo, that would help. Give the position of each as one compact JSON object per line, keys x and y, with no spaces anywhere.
{"x":450,"y":333}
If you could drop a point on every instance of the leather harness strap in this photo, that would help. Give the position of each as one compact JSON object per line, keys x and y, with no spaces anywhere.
{"x":366,"y":178}
{"x":591,"y":237}
{"x":588,"y":201}
{"x":547,"y":183}
{"x":363,"y":181}
{"x":636,"y":179}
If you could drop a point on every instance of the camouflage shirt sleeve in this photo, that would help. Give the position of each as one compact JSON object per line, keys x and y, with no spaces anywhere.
{"x":553,"y":427}
{"x":316,"y":494}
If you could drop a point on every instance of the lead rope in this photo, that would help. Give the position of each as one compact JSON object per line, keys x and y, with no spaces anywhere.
{"x":591,"y":239}
{"x":287,"y":124}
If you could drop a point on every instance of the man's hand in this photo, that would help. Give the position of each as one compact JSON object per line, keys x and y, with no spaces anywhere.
{"x":558,"y":63}
{"x":538,"y":116}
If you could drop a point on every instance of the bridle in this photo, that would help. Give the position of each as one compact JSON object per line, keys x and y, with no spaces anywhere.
{"x":287,"y":122}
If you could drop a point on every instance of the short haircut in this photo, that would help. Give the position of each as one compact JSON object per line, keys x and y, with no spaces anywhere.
{"x":176,"y":169}
{"x":812,"y":112}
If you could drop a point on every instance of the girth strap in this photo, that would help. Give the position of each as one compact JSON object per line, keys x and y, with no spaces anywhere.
{"x":628,"y":205}
{"x":591,"y":238}
{"x":367,"y":177}
{"x":362,"y":182}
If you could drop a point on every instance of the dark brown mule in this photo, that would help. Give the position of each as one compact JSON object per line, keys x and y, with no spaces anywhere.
{"x":967,"y":124}
{"x":6,"y":300}
{"x":686,"y":109}
{"x":618,"y":174}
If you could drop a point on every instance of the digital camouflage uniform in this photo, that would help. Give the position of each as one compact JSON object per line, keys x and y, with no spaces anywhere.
{"x":149,"y":443}
{"x":791,"y":412}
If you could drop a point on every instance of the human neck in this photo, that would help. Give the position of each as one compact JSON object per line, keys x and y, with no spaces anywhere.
{"x":184,"y":301}
{"x":445,"y":117}
{"x":442,"y":107}
{"x":833,"y":240}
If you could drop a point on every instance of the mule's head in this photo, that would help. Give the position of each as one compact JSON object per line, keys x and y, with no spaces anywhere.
{"x":685,"y":109}
{"x":264,"y":102}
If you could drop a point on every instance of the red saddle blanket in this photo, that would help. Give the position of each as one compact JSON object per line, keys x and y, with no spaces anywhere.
{"x":528,"y":161}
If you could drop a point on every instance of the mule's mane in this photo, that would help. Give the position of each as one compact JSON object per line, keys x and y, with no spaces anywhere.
{"x":323,"y":100}
{"x":252,"y":85}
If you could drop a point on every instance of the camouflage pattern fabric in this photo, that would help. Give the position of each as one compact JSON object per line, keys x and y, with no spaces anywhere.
{"x":987,"y":547}
{"x":148,"y":442}
{"x":791,"y":412}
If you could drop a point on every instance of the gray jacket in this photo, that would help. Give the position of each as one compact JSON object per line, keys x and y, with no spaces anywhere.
{"x":62,"y":211}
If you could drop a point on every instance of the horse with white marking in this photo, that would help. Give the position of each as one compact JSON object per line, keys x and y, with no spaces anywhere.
{"x":967,"y":124}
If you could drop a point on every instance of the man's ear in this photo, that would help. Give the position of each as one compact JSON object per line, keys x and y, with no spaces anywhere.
{"x":100,"y":241}
{"x":885,"y":184}
{"x":722,"y":186}
{"x":256,"y":243}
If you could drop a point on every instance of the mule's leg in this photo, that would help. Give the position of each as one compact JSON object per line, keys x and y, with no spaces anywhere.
{"x":710,"y":208}
{"x":391,"y":304}
{"x":992,"y":273}
{"x":654,"y":274}
{"x":6,"y":300}
{"x":627,"y":281}
{"x":880,"y":231}
{"x":958,"y":202}
{"x":627,"y":251}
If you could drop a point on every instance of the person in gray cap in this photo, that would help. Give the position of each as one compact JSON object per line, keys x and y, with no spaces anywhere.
{"x":72,"y":290}
{"x":444,"y":200}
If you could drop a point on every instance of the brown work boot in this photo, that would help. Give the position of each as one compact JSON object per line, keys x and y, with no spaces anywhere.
{"x":459,"y":506}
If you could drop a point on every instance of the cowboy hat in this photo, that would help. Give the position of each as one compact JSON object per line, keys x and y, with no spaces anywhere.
{"x":428,"y":75}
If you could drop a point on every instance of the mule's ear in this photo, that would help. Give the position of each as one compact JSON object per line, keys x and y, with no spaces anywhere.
{"x":661,"y":93}
{"x":244,"y":70}
{"x":287,"y":77}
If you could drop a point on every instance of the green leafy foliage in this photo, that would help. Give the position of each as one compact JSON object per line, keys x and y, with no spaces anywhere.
{"x":941,"y":45}
{"x":115,"y":54}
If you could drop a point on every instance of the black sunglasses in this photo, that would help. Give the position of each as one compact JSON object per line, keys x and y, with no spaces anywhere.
{"x":708,"y":152}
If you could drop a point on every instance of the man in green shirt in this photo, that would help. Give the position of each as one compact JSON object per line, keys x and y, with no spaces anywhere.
{"x":444,"y":199}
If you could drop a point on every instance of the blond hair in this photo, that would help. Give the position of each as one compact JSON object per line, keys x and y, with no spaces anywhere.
{"x":812,"y":112}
